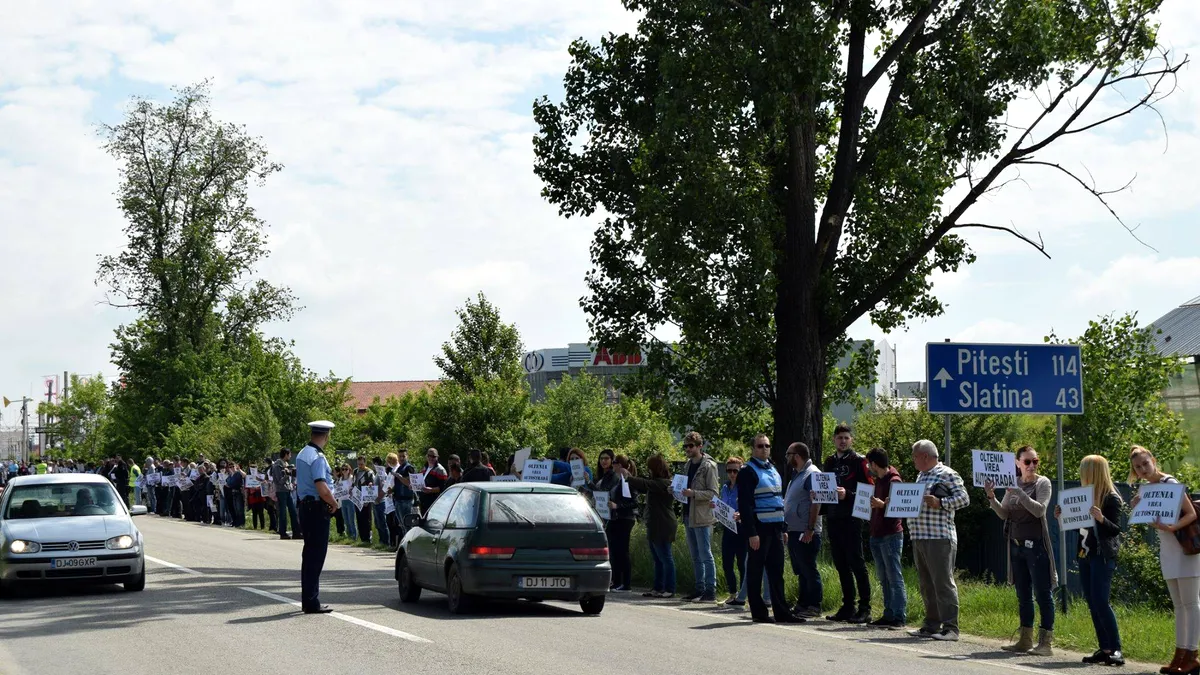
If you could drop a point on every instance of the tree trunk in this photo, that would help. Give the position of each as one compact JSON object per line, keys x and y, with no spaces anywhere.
{"x":799,"y":409}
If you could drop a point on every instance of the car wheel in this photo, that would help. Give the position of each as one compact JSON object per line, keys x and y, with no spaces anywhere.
{"x":409,"y":590}
{"x":137,"y":584}
{"x":459,"y":602}
{"x":592,"y":605}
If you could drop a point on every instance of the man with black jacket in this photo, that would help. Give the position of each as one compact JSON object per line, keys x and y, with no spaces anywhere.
{"x":844,"y":531}
{"x":760,"y":508}
{"x":477,"y":471}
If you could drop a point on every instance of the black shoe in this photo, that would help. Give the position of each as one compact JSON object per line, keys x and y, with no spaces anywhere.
{"x":860,"y":617}
{"x":1096,"y":657}
{"x":708,"y":597}
{"x":762,"y":619}
{"x":844,"y":614}
{"x":881,"y":622}
{"x":897,"y":623}
{"x":285,"y":536}
{"x":323,"y":609}
{"x":790,"y":618}
{"x":809,"y":612}
{"x":1114,"y":659}
{"x":692,"y":597}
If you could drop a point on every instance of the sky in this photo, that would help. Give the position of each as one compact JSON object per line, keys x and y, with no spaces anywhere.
{"x":405,"y":130}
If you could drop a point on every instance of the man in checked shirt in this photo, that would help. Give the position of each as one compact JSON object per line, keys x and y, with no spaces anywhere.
{"x":935,"y":542}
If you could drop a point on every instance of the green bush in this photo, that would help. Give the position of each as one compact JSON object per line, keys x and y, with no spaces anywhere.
{"x":1139,"y":578}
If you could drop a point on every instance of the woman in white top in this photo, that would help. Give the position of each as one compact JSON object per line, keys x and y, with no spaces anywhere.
{"x":1181,"y":571}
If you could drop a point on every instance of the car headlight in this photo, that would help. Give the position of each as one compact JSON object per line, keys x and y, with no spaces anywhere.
{"x":118,"y":543}
{"x":23,"y":546}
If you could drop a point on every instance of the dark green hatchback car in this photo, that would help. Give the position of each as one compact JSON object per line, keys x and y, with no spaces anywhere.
{"x":506,"y":540}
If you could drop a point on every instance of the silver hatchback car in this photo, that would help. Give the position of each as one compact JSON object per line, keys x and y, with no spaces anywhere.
{"x":68,"y":527}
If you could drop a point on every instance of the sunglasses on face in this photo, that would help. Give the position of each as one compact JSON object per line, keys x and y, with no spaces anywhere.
{"x":1029,"y":462}
{"x":690,"y":445}
{"x":762,"y":446}
{"x":731,"y":470}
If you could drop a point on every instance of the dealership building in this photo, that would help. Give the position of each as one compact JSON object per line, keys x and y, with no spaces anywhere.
{"x":545,"y":367}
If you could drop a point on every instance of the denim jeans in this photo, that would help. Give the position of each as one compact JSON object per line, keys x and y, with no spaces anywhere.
{"x":664,"y":566}
{"x":381,"y":522}
{"x":887,"y":551}
{"x":350,"y":515}
{"x":804,"y":566}
{"x":403,"y":508}
{"x":1096,"y":573}
{"x":287,"y":507}
{"x":699,"y":541}
{"x":1031,"y":576}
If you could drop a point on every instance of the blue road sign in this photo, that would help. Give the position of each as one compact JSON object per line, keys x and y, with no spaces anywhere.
{"x":1039,"y":379}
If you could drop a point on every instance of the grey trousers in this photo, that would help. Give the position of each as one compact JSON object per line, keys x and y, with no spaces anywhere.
{"x":935,"y":573}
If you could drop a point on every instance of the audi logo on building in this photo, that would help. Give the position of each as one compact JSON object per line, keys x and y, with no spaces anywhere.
{"x":534,"y":362}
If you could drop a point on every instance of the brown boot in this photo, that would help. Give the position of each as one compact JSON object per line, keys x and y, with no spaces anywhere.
{"x":1045,"y":645}
{"x":1173,"y":666}
{"x":1188,"y":663}
{"x":1024,"y":643}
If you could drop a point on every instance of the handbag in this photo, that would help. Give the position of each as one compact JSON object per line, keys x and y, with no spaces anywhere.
{"x":1189,"y":537}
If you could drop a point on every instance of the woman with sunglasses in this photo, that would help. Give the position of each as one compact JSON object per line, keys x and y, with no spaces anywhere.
{"x":1030,"y":550}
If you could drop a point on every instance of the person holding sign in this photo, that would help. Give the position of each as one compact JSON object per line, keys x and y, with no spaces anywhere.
{"x":887,"y":543}
{"x":660,"y":523}
{"x":1181,"y":571}
{"x":761,"y":508}
{"x":935,"y":541}
{"x":623,"y":511}
{"x":1099,"y":546}
{"x":364,"y":477}
{"x":435,"y":476}
{"x":1031,"y":568}
{"x":700,"y":491}
{"x":803,"y":518}
{"x":844,"y":531}
{"x":602,"y":489}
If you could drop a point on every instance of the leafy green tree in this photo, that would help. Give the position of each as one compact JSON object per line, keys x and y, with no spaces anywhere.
{"x":1123,"y":380}
{"x":192,"y":242}
{"x":252,"y":431}
{"x":482,"y":346}
{"x":754,"y":198}
{"x":80,"y":420}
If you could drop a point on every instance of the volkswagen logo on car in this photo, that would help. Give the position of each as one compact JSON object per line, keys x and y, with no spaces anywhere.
{"x":534,"y":362}
{"x":73,"y":546}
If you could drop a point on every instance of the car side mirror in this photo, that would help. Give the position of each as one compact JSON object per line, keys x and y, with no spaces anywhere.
{"x":138,"y":510}
{"x":411,"y":520}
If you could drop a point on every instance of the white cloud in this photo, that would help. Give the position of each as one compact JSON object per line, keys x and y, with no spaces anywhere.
{"x":1130,"y":276}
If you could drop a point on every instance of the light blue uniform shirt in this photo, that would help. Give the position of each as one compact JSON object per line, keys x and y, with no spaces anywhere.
{"x":310,"y":468}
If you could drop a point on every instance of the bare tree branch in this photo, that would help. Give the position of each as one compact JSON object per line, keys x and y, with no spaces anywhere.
{"x":1040,"y":245}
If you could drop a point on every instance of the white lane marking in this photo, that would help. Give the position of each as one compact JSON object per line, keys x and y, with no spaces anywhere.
{"x":181,"y":568}
{"x":859,"y":640}
{"x":344,"y":617}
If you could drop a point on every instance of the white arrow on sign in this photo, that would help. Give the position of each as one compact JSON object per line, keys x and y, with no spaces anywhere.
{"x":943,"y":377}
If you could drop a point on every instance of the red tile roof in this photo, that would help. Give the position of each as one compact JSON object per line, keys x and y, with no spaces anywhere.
{"x":362,"y":394}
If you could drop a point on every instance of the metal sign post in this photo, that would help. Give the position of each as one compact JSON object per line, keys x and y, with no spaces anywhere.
{"x":1007,"y":379}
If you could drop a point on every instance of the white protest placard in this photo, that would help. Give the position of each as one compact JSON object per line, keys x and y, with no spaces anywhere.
{"x":824,"y":487}
{"x":209,"y":500}
{"x":389,"y":506}
{"x":520,"y":458}
{"x":185,"y":484}
{"x":1157,"y":500}
{"x":340,"y":492}
{"x":1076,"y":504}
{"x":369,"y":493}
{"x":155,"y":478}
{"x":998,"y":467}
{"x":356,"y":498}
{"x":862,"y":501}
{"x":504,"y":479}
{"x":169,"y":481}
{"x":904,"y":500}
{"x":625,"y":489}
{"x":678,"y":485}
{"x":578,"y":473}
{"x":194,"y":474}
{"x":251,"y":482}
{"x":724,"y":514}
{"x":538,"y":471}
{"x":389,"y":483}
{"x":602,"y":509}
{"x":416,"y":481}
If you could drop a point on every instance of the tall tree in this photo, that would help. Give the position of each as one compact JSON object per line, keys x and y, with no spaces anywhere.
{"x":482,"y":346}
{"x":754,"y":198}
{"x":192,"y":242}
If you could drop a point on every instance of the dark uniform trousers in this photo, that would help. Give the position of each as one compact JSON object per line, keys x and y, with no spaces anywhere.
{"x":314,"y":521}
{"x":769,"y":559}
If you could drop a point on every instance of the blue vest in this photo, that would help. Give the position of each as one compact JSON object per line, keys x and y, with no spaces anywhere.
{"x":768,"y":495}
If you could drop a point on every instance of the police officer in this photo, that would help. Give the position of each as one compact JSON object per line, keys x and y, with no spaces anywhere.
{"x":316,"y":506}
{"x":760,"y":509}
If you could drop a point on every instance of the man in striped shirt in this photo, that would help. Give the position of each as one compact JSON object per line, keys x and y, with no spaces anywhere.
{"x":935,"y":541}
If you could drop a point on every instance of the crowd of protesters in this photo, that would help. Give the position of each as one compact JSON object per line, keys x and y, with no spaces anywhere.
{"x":778,"y":518}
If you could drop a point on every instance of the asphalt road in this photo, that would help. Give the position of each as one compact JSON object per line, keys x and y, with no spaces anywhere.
{"x":220,"y":600}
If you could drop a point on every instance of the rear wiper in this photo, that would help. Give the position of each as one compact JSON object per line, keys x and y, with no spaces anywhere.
{"x":514,"y":513}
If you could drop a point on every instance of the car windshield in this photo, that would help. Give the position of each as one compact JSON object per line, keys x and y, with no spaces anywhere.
{"x":533,"y":509}
{"x":61,"y":500}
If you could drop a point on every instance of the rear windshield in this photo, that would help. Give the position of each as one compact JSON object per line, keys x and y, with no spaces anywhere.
{"x":62,"y":500}
{"x":563,"y":511}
